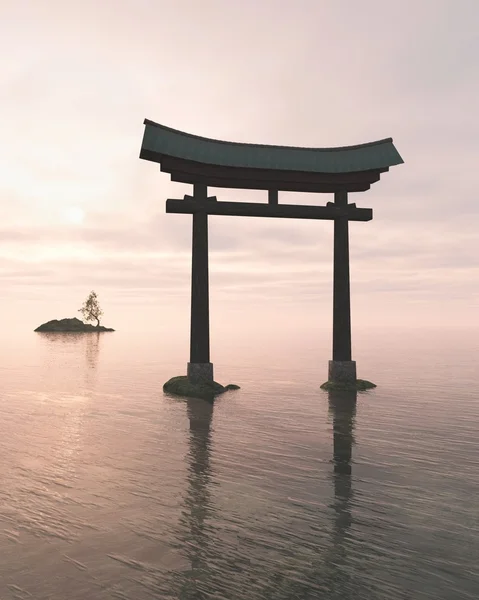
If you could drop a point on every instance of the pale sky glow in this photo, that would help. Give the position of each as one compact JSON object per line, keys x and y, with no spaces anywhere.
{"x":73,"y":214}
{"x":80,"y":211}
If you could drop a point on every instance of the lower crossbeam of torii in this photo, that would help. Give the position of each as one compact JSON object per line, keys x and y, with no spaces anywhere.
{"x":205,"y":162}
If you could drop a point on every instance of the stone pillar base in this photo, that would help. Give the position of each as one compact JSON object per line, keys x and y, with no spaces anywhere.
{"x":342,"y":371}
{"x":198,"y":372}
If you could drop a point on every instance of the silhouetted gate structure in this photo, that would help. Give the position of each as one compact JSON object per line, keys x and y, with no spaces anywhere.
{"x":206,"y":162}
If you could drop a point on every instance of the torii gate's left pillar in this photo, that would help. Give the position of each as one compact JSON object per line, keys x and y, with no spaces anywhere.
{"x":199,"y":368}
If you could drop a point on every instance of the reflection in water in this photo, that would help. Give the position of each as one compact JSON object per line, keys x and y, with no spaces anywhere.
{"x":197,"y":498}
{"x":275,"y":499}
{"x":70,"y":353}
{"x":60,"y":345}
{"x":328,"y":572}
{"x":200,"y":413}
{"x":92,"y":350}
{"x":342,"y":407}
{"x":346,"y":581}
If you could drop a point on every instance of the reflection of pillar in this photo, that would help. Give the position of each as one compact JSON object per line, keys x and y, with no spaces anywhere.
{"x":199,"y":367}
{"x":197,"y":499}
{"x":342,"y":405}
{"x":341,"y":368}
{"x":346,"y":580}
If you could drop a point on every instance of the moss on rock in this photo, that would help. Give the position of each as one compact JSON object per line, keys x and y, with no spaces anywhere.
{"x":207,"y":390}
{"x":360,"y":385}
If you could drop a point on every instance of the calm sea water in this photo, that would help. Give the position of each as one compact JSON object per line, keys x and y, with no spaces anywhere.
{"x":111,"y":489}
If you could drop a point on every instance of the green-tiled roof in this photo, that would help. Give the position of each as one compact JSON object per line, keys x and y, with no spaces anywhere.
{"x":164,"y":141}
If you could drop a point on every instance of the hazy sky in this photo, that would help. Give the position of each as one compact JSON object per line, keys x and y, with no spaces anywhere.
{"x":80,"y":211}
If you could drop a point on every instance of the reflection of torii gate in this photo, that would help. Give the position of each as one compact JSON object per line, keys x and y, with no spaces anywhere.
{"x":205,"y":162}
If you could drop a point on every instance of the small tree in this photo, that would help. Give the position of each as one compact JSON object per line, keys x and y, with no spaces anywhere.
{"x":91,"y":309}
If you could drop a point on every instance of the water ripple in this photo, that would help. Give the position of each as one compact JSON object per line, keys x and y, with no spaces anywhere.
{"x":277,"y":491}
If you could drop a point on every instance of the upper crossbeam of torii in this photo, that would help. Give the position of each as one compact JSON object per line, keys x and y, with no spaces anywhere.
{"x":206,"y":162}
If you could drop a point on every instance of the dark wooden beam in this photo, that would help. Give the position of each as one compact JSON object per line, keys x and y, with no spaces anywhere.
{"x":170,"y":164}
{"x":285,"y":211}
{"x":259,"y":184}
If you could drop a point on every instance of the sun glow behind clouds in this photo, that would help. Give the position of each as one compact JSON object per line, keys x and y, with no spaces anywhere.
{"x":74,"y":215}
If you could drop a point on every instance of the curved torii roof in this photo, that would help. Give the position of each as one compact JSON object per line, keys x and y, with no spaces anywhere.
{"x":194,"y":159}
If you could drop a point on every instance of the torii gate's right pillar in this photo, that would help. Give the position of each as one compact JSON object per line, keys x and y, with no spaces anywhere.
{"x":341,"y":369}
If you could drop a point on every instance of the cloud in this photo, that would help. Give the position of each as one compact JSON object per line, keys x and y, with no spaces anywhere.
{"x":80,"y":80}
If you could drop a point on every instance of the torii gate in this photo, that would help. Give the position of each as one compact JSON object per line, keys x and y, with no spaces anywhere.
{"x":206,"y":162}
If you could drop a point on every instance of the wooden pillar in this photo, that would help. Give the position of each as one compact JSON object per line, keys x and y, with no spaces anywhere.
{"x":341,"y":291}
{"x":273,"y":197}
{"x":200,"y":314}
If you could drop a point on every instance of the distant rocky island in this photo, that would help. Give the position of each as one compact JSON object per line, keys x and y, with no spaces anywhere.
{"x":71,"y":325}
